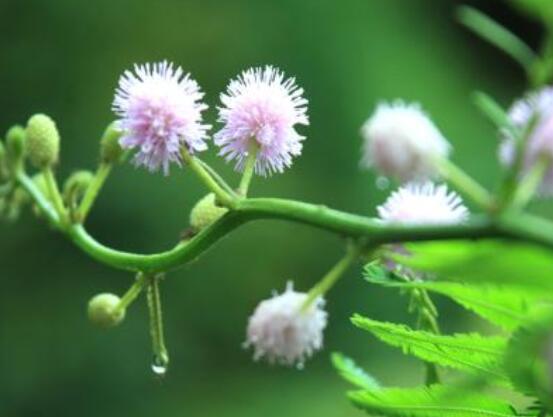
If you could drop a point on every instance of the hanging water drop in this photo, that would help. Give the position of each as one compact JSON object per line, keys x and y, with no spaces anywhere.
{"x":382,"y":183}
{"x":159,"y":366}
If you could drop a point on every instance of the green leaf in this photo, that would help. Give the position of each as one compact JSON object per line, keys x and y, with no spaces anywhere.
{"x":434,"y":401}
{"x":352,"y":373}
{"x":465,"y":352}
{"x":497,"y":35}
{"x":529,"y":356}
{"x":507,"y":263}
{"x":502,"y":306}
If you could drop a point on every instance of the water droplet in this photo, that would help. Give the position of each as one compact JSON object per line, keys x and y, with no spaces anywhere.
{"x":159,"y":365}
{"x":382,"y":183}
{"x":159,"y":370}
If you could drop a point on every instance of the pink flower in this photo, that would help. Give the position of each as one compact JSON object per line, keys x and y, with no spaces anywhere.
{"x":159,"y":111}
{"x":538,"y":108}
{"x":281,"y":331}
{"x":420,"y":204}
{"x":260,"y":109}
{"x":401,"y":141}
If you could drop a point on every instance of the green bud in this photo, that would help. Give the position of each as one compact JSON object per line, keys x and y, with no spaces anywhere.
{"x":43,"y":141}
{"x":103,"y":312}
{"x":110,"y":150}
{"x":206,"y":212}
{"x":75,"y":186}
{"x":15,"y":143}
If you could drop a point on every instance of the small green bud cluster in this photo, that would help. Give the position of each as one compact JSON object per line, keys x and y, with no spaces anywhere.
{"x":43,"y":141}
{"x":205,"y":213}
{"x":103,"y":310}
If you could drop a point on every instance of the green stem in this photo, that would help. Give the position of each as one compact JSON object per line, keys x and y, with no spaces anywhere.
{"x":161,"y":356}
{"x":465,"y":184}
{"x":331,"y":277}
{"x":223,"y":197}
{"x":133,"y":292}
{"x":531,"y":182}
{"x":516,"y":226}
{"x":249,"y":168}
{"x":427,"y":320}
{"x":92,"y":191}
{"x":54,"y":194}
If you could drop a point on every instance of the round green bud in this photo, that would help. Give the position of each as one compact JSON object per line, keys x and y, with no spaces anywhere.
{"x":75,"y":186}
{"x":43,"y":141}
{"x":110,"y":150}
{"x":206,"y":212}
{"x":15,"y":142}
{"x":103,"y":311}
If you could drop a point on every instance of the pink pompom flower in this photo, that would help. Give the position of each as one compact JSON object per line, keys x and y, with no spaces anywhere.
{"x":160,"y":110}
{"x":281,"y":331}
{"x":536,"y":107}
{"x":426,"y":203}
{"x":259,"y":111}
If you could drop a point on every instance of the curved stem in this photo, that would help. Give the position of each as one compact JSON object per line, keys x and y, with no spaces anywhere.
{"x":92,"y":191}
{"x":518,"y":226}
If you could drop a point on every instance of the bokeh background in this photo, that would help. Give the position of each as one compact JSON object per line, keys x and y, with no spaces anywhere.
{"x":64,"y":57}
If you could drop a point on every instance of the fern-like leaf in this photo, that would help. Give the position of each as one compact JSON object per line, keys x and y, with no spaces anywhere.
{"x":503,"y":306}
{"x":434,"y":401}
{"x":466,"y":352}
{"x":352,"y":373}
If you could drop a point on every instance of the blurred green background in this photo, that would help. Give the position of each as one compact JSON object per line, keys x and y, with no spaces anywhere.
{"x":64,"y":57}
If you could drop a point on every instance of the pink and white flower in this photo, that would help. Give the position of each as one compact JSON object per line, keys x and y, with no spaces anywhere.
{"x":160,"y":110}
{"x":536,"y":108}
{"x":260,"y":110}
{"x":282,"y":331}
{"x":420,"y":204}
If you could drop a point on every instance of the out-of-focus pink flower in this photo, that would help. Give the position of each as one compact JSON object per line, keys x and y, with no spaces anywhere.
{"x":400,"y":141}
{"x":537,"y":108}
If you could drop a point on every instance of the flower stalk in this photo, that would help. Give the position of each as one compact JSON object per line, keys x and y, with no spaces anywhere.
{"x":332,"y":276}
{"x":93,"y":190}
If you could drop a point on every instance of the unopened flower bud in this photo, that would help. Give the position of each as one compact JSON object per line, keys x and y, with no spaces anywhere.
{"x":43,"y":141}
{"x":206,"y":212}
{"x":110,"y":150}
{"x":75,"y":186}
{"x":15,"y":142}
{"x":103,"y":311}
